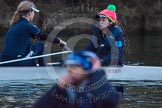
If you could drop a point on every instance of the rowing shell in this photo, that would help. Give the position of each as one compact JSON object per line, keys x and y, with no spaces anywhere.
{"x":113,"y":73}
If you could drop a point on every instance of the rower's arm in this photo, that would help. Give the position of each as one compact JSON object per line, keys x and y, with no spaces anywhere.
{"x":43,"y":36}
{"x":36,"y":33}
{"x":118,"y":34}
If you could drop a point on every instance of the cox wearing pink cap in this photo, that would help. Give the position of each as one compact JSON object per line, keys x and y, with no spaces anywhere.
{"x":108,"y":38}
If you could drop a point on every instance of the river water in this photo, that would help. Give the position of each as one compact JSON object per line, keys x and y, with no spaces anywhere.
{"x":22,"y":94}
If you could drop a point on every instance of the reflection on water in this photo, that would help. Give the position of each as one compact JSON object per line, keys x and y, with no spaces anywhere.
{"x":138,"y":94}
{"x":142,"y":94}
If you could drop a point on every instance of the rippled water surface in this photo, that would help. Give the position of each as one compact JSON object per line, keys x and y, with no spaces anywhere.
{"x":22,"y":94}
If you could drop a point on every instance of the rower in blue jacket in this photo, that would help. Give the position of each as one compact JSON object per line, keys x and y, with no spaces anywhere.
{"x":108,"y":38}
{"x":18,"y":42}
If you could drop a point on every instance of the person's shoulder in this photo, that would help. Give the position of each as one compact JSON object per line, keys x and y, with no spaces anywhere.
{"x":116,"y":30}
{"x":96,"y":30}
{"x":30,"y":25}
{"x":100,"y":77}
{"x":104,"y":89}
{"x":32,"y":28}
{"x":98,"y":74}
{"x":48,"y":99}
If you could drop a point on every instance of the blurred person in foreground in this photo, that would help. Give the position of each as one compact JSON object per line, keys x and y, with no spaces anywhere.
{"x":108,"y":38}
{"x":84,"y":86}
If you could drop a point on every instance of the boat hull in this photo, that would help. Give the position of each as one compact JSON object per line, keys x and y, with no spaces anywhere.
{"x":113,"y":73}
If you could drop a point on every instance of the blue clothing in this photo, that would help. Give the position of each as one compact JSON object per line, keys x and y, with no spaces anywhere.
{"x":18,"y":38}
{"x":99,"y":94}
{"x":18,"y":42}
{"x":110,"y":48}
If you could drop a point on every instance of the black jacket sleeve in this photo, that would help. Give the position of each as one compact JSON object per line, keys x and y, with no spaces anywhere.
{"x":36,"y":33}
{"x":44,"y":36}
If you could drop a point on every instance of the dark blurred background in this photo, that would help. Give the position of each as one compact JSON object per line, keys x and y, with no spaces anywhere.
{"x":141,"y":20}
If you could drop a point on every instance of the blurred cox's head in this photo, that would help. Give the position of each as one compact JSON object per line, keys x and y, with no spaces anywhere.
{"x":80,"y":64}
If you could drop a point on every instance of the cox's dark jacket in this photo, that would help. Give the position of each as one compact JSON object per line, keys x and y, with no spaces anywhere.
{"x":110,"y":48}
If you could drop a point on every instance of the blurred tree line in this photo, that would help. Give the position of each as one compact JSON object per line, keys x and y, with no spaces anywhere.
{"x":141,"y":20}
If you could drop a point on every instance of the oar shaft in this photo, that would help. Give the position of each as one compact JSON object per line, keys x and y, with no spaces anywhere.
{"x":28,"y":58}
{"x":67,"y":48}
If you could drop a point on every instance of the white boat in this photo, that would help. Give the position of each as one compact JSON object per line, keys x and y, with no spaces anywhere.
{"x":52,"y":72}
